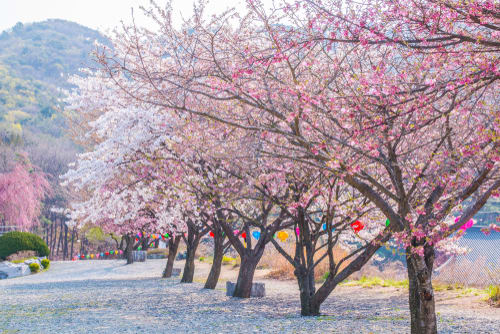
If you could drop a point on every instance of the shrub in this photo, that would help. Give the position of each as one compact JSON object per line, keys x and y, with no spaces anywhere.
{"x":228,"y":260}
{"x":45,"y":263}
{"x":34,"y":267}
{"x":494,"y":294}
{"x":13,"y":242}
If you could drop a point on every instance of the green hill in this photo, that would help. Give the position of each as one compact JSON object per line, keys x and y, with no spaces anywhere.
{"x":35,"y":62}
{"x":48,"y":51}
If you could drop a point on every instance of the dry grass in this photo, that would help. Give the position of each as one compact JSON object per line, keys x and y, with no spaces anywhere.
{"x":391,"y":271}
{"x":158,"y":251}
{"x":281,"y":269}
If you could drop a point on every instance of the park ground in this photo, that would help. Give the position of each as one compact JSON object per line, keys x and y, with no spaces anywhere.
{"x":111,"y":297}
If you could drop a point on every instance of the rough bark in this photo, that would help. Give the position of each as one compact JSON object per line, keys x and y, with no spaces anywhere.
{"x":188,"y":274}
{"x":213,"y":276}
{"x":72,"y":241}
{"x":173,"y":246}
{"x":307,"y":289}
{"x":129,"y":239}
{"x":421,"y":293}
{"x":245,"y":276}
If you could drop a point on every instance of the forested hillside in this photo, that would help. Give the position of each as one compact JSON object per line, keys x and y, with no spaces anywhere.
{"x":48,"y":51}
{"x":35,"y":62}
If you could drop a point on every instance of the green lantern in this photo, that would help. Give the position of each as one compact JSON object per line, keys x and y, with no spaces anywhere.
{"x":387,"y":222}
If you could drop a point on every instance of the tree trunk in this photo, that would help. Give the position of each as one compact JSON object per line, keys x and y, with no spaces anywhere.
{"x":173,"y":246}
{"x":60,"y":240}
{"x":72,"y":241}
{"x":213,"y":276}
{"x":129,"y":239}
{"x":65,"y":246}
{"x":244,"y":283}
{"x":54,"y":240}
{"x":421,"y":293}
{"x":188,"y":274}
{"x":307,"y":289}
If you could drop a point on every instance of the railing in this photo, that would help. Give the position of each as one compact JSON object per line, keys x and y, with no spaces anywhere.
{"x":5,"y":229}
{"x":480,"y":266}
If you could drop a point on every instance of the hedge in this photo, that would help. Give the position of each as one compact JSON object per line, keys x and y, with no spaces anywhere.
{"x":13,"y":242}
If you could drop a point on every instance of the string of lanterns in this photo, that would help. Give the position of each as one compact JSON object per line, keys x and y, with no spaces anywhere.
{"x":357,"y":226}
{"x":97,"y":256}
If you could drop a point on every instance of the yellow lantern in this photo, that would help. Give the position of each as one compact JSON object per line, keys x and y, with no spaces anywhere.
{"x":282,"y":235}
{"x":91,"y":256}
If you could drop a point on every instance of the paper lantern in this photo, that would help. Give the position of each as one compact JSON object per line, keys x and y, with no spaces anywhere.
{"x":107,"y":253}
{"x":297,"y":230}
{"x":211,"y":234}
{"x":387,"y":222}
{"x":136,"y":240}
{"x":102,"y":254}
{"x":467,"y":225}
{"x":91,"y":256}
{"x":236,"y":232}
{"x":282,"y":235}
{"x":166,"y":235}
{"x":97,"y":256}
{"x":324,"y":227}
{"x":121,"y":252}
{"x":256,"y":234}
{"x":139,"y":248}
{"x":88,"y":256}
{"x":244,"y":235}
{"x":357,"y":226}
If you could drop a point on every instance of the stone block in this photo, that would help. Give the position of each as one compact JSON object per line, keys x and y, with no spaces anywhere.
{"x":258,"y":289}
{"x":11,"y":270}
{"x":139,"y":256}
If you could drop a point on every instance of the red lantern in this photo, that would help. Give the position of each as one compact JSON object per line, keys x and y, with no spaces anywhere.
{"x":244,"y":235}
{"x":357,"y":226}
{"x":107,"y":253}
{"x":211,"y":234}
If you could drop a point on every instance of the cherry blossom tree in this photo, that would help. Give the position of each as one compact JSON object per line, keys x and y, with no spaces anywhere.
{"x":415,"y":130}
{"x":409,"y":123}
{"x":21,"y":193}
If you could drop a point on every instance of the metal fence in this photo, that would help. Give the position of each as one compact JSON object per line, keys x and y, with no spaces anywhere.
{"x":479,"y":267}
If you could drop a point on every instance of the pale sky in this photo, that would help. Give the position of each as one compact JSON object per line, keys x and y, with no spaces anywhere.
{"x":97,"y":14}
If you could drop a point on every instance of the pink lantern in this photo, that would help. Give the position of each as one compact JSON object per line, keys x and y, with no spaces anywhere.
{"x":465,"y":226}
{"x":297,"y":230}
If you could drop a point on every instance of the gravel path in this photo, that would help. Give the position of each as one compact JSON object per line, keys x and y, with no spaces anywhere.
{"x":109,"y":297}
